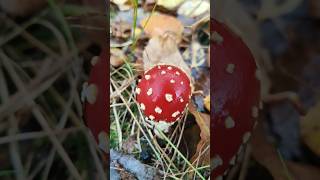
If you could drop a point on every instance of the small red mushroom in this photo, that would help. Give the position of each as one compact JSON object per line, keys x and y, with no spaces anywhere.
{"x":163,"y":93}
{"x":236,"y":97}
{"x":94,"y":97}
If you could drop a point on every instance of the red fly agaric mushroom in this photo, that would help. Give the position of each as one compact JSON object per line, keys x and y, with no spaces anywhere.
{"x":163,"y":93}
{"x":236,"y":97}
{"x":94,"y":97}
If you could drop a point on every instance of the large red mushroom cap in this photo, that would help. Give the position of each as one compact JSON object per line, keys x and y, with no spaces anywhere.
{"x":94,"y":96}
{"x":163,"y":93}
{"x":236,"y":97}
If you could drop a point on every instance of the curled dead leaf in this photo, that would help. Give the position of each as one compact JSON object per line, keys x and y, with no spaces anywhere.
{"x":163,"y":50}
{"x":160,"y":24}
{"x":194,"y":8}
{"x":202,"y":154}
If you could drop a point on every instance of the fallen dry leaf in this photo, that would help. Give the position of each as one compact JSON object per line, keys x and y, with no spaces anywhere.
{"x":160,"y":24}
{"x":310,"y":129}
{"x":194,"y":8}
{"x":163,"y":50}
{"x":202,"y":154}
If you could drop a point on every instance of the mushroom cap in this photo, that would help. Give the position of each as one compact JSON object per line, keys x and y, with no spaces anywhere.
{"x":95,"y":97}
{"x":236,"y":97}
{"x":163,"y":93}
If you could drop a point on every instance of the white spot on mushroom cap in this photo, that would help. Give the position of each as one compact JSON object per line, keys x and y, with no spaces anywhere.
{"x":158,"y":110}
{"x":149,"y":92}
{"x":181,"y":82}
{"x":142,"y":106}
{"x":229,"y":122}
{"x":147,"y":77}
{"x":181,"y":100}
{"x":169,"y":97}
{"x":233,"y":160}
{"x":94,"y":60}
{"x":172,"y":81}
{"x":138,"y":90}
{"x":169,"y":67}
{"x":230,"y":68}
{"x":89,"y":93}
{"x":177,"y":73}
{"x":151,"y":117}
{"x":216,"y":162}
{"x":255,"y":112}
{"x":217,"y":37}
{"x":163,"y":72}
{"x":175,"y":114}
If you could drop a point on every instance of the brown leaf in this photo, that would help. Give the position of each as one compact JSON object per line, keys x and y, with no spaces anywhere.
{"x":160,"y":24}
{"x":163,"y":50}
{"x":202,"y":153}
{"x":203,"y":121}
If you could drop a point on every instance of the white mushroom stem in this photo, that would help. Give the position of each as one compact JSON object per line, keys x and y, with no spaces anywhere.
{"x":159,"y":126}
